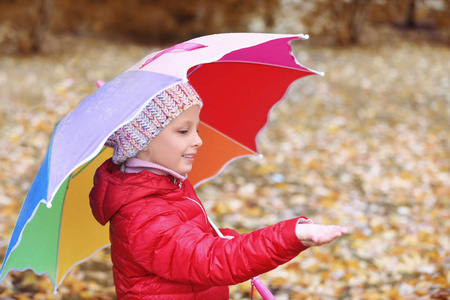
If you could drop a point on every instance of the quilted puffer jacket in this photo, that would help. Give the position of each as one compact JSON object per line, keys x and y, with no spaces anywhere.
{"x":163,"y":247}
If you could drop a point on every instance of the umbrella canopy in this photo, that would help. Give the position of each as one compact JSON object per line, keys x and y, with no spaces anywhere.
{"x":239,"y":77}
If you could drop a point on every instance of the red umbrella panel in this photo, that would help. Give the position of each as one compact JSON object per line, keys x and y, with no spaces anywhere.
{"x":238,"y":92}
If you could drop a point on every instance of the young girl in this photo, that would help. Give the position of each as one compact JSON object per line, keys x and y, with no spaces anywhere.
{"x":162,"y":245}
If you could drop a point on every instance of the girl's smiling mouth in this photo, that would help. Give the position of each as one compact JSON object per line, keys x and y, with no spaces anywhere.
{"x":189,"y":157}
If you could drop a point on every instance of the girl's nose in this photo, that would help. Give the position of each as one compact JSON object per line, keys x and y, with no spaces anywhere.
{"x":197,"y":140}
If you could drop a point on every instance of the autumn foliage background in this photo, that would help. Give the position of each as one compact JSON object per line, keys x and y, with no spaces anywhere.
{"x":366,"y":146}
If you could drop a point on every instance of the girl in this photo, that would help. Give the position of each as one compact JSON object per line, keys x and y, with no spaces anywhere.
{"x":162,"y":245}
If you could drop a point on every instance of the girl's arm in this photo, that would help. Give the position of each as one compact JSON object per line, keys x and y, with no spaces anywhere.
{"x":171,"y":248}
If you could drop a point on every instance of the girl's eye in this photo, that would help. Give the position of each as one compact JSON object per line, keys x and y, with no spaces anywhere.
{"x":183,"y":131}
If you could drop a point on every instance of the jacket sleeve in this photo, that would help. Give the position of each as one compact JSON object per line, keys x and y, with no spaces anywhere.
{"x":179,"y":251}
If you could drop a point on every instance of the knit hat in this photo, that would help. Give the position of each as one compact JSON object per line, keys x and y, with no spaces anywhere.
{"x":131,"y":138}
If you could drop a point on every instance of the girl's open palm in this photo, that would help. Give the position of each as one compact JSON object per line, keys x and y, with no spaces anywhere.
{"x":315,"y":235}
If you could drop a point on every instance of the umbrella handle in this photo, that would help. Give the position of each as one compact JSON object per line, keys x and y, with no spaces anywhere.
{"x":262,"y":289}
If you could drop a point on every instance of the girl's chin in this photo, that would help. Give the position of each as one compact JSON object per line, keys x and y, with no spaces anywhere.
{"x":187,"y":171}
{"x":184,"y":170}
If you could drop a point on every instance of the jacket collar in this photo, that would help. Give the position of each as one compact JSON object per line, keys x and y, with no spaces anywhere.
{"x":135,"y":165}
{"x":114,"y":189}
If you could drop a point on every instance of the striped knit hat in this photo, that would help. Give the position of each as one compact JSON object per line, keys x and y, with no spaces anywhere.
{"x":131,"y":138}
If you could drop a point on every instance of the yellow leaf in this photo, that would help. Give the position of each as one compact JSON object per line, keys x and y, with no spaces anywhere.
{"x":86,"y":295}
{"x":245,"y":287}
{"x":15,"y":138}
{"x":254,"y":211}
{"x":278,"y":282}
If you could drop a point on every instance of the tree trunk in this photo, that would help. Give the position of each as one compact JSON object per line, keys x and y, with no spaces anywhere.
{"x":350,"y":18}
{"x":40,"y":29}
{"x":411,"y":14}
{"x":358,"y":19}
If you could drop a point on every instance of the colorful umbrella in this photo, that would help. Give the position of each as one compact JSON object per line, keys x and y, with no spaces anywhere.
{"x":239,"y":76}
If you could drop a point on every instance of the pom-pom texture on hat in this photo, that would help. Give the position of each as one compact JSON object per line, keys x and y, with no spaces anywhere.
{"x":131,"y":138}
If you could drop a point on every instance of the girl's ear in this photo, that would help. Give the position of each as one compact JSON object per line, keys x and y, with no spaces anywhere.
{"x":145,"y":153}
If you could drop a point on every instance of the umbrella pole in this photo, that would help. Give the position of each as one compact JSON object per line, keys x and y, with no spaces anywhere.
{"x":262,"y":289}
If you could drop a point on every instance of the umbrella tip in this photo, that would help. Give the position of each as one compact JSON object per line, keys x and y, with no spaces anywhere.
{"x":100,"y":83}
{"x":48,"y":204}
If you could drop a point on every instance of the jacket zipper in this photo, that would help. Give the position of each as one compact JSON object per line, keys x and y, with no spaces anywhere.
{"x":201,"y":207}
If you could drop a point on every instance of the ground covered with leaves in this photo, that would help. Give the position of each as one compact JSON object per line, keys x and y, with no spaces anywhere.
{"x":366,"y":146}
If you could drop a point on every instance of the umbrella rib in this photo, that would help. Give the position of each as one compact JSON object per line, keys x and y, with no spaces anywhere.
{"x":87,"y":164}
{"x":303,"y":68}
{"x":229,"y":138}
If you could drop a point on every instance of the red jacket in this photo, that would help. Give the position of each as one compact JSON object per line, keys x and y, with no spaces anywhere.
{"x":162,"y":246}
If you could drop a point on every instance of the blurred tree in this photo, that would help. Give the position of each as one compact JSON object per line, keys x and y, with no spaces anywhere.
{"x":25,"y":23}
{"x":402,"y":11}
{"x":342,"y":21}
{"x":430,"y":16}
{"x":39,"y":31}
{"x":411,"y":13}
{"x":157,"y":20}
{"x":442,"y":17}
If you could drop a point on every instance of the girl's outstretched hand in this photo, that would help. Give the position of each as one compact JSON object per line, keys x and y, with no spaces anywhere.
{"x":311,"y":234}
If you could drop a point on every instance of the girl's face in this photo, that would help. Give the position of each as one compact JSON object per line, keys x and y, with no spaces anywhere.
{"x":176,"y":145}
